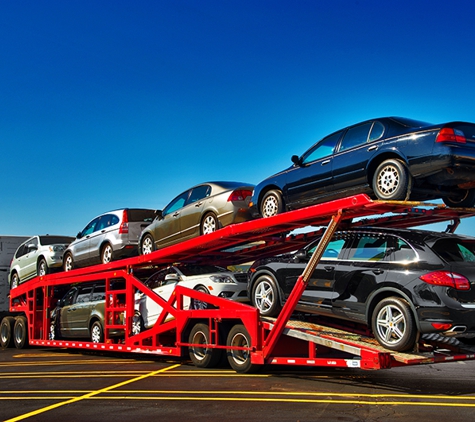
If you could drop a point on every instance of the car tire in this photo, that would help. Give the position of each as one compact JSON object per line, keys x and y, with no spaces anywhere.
{"x":42,"y":267}
{"x":272,"y":204}
{"x":6,"y":330}
{"x":202,"y":356}
{"x":68,"y":262}
{"x":265,"y":296}
{"x":209,"y":224}
{"x":137,"y":324}
{"x":97,"y":332}
{"x":199,"y":304}
{"x":465,"y":200}
{"x":106,"y":254}
{"x":54,"y":331}
{"x":392,"y":181}
{"x":20,"y":332}
{"x":240,"y":360}
{"x":147,"y":245}
{"x":14,"y":280}
{"x":393,"y":324}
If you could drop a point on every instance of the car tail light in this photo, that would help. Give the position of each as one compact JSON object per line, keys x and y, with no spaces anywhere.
{"x":447,"y":134}
{"x":124,"y":226}
{"x":441,"y":326}
{"x":446,"y":278}
{"x":239,"y":195}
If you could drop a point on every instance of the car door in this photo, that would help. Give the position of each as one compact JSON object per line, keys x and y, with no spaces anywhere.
{"x":78,"y":312}
{"x":30,"y":259}
{"x":105,"y":224}
{"x":81,"y":246}
{"x":64,"y":314}
{"x":167,"y":230}
{"x":356,"y":277}
{"x":358,"y":145}
{"x":318,"y":295}
{"x":190,"y":218}
{"x":311,"y":177}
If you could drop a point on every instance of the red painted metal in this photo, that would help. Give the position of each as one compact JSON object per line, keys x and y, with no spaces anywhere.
{"x":279,"y":342}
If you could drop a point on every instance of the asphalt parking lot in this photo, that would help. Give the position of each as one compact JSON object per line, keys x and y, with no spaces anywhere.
{"x":59,"y":384}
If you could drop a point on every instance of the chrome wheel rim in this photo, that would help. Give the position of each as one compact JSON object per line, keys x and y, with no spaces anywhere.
{"x":388,"y":180}
{"x":270,"y":207}
{"x":264,"y":296}
{"x":391,"y":324}
{"x":209,"y":225}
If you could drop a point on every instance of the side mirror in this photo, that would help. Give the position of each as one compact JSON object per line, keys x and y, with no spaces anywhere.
{"x":300,"y":256}
{"x":79,"y":235}
{"x":172,"y":277}
{"x":32,"y":247}
{"x":158,"y":214}
{"x":296,"y":160}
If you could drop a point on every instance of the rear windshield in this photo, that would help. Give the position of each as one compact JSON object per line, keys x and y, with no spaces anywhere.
{"x":455,"y":250}
{"x":410,"y":122}
{"x":52,"y":240}
{"x":141,"y":215}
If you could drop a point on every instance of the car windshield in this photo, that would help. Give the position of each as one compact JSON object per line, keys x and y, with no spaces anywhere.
{"x":52,"y":240}
{"x":455,"y":250}
{"x":189,"y":270}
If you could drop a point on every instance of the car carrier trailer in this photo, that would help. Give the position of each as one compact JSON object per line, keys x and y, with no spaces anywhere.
{"x":228,"y":329}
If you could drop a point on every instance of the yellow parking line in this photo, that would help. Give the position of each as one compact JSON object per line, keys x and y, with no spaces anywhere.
{"x":89,"y":395}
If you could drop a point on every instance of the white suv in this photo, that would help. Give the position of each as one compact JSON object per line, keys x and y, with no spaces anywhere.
{"x":110,"y":236}
{"x":37,"y":256}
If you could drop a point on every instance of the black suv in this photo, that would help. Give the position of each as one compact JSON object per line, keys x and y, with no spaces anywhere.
{"x":397,"y":282}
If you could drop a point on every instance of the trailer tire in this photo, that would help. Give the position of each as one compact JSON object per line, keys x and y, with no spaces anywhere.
{"x":240,"y":360}
{"x":202,"y":357}
{"x":265,"y":296}
{"x":20,"y":332}
{"x":393,"y":324}
{"x":6,"y":330}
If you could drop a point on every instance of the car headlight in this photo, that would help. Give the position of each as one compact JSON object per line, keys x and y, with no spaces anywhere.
{"x":56,"y":248}
{"x":222,"y":279}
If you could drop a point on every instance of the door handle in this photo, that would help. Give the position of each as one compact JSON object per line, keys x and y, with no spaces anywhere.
{"x":373,"y":148}
{"x":325,"y":162}
{"x":378,"y":272}
{"x":198,"y":204}
{"x":176,"y":214}
{"x":329,"y":268}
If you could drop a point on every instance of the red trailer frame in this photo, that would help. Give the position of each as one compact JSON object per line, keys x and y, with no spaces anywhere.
{"x":226,"y":326}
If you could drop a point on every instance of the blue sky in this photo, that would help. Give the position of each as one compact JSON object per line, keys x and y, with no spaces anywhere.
{"x":110,"y":104}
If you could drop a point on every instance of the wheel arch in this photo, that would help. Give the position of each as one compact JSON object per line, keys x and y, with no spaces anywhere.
{"x":274,"y":277}
{"x":384,"y":293}
{"x":376,"y":161}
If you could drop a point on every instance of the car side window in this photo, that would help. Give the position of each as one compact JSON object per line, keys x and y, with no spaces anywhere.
{"x":322,"y":149}
{"x":106,"y":221}
{"x":176,"y":204}
{"x":90,"y":228}
{"x":403,"y":252}
{"x":198,"y":193}
{"x":69,"y":297}
{"x":368,"y":247}
{"x":377,"y":131}
{"x":84,"y":295}
{"x":99,"y":293}
{"x":22,"y":250}
{"x":355,"y":136}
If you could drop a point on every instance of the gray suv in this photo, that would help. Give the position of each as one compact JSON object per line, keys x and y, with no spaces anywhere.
{"x":110,"y":236}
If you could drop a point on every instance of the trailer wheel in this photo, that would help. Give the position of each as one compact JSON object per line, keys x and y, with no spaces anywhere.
{"x":42,"y":268}
{"x":272,"y":204}
{"x":393,"y":324}
{"x":209,"y":224}
{"x":20,"y":332}
{"x":6,"y":329}
{"x":97,"y":333}
{"x":201,"y":356}
{"x":265,"y":296}
{"x":240,"y":360}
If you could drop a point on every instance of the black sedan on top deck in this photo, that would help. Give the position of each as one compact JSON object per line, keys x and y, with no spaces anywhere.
{"x":397,"y":282}
{"x":390,"y":158}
